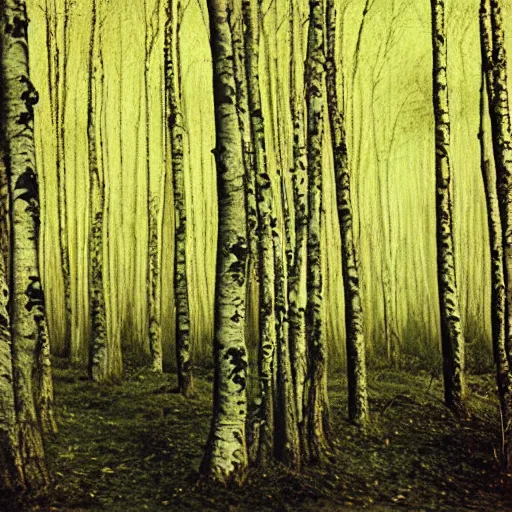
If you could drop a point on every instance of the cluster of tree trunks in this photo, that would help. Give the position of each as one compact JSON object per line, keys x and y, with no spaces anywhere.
{"x":291,"y":423}
{"x":306,"y":400}
{"x":255,"y":242}
{"x":105,"y":359}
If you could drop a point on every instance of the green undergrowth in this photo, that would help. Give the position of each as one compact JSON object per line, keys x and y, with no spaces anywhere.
{"x":137,"y":446}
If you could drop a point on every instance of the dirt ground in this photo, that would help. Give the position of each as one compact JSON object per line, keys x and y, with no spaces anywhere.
{"x":137,"y":446}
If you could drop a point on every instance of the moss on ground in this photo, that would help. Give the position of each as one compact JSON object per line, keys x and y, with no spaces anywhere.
{"x":137,"y":446}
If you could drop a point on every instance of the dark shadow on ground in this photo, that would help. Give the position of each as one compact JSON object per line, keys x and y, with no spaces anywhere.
{"x":136,"y":447}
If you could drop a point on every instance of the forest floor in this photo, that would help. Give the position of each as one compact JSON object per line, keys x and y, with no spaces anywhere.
{"x":137,"y":446}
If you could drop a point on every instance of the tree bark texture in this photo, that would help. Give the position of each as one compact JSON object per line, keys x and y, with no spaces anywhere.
{"x":226,"y":454}
{"x":356,"y":351}
{"x":317,"y":409}
{"x":297,"y":273}
{"x":264,"y":202}
{"x":105,"y":363}
{"x":27,"y":299}
{"x":452,"y":339}
{"x":498,"y":291}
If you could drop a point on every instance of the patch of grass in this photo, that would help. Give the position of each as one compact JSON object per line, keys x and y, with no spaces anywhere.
{"x":137,"y":446}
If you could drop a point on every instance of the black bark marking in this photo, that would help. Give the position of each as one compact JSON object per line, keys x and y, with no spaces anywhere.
{"x":4,"y":322}
{"x":35,"y":294}
{"x":236,"y":317}
{"x":239,"y":363}
{"x":18,"y":28}
{"x":27,"y":181}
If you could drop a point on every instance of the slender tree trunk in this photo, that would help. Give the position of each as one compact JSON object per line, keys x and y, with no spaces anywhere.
{"x":153,"y":270}
{"x":251,"y":14}
{"x":297,"y":273}
{"x":226,"y":454}
{"x":176,"y":130}
{"x":27,"y":299}
{"x":356,"y":351}
{"x":61,"y":88}
{"x":451,"y":332}
{"x":496,"y":233}
{"x":57,"y":68}
{"x":502,"y":146}
{"x":287,"y":445}
{"x":244,"y":121}
{"x":105,"y":359}
{"x":318,"y":405}
{"x":123,"y":263}
{"x":154,"y":279}
{"x":249,"y":166}
{"x":74,"y":349}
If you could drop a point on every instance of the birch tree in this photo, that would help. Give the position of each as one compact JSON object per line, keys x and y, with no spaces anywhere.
{"x":502,"y":146}
{"x":226,"y":453}
{"x":58,"y":57}
{"x":267,"y":341}
{"x":497,"y":107}
{"x":356,"y":360}
{"x":153,"y":267}
{"x":244,"y":122}
{"x":27,"y":315}
{"x":297,"y":272}
{"x":451,"y":331}
{"x":318,"y":406}
{"x":105,"y":356}
{"x":11,"y":469}
{"x":177,"y":135}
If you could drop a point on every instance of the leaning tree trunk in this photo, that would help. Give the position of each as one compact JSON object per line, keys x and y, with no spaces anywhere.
{"x":27,"y":300}
{"x":105,"y":358}
{"x":297,"y":273}
{"x":317,"y":418}
{"x":176,"y":131}
{"x":251,"y":16}
{"x":226,"y":453}
{"x":356,"y":351}
{"x":451,"y":331}
{"x":498,"y":290}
